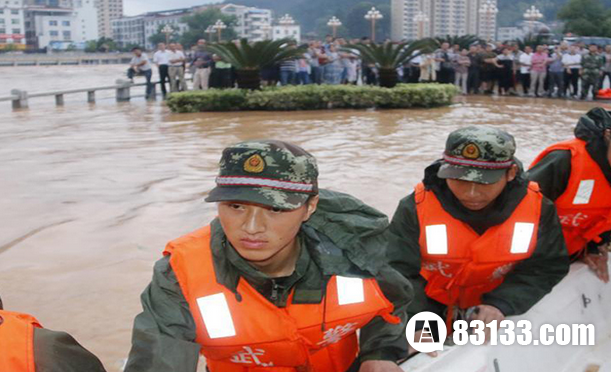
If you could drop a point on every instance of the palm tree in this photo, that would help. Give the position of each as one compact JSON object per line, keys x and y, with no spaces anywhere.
{"x":248,"y":59}
{"x":532,"y":40}
{"x":464,"y":41}
{"x":388,"y":57}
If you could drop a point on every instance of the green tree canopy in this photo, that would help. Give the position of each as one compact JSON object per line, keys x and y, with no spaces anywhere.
{"x":198,"y":24}
{"x":584,"y":17}
{"x":159,"y":37}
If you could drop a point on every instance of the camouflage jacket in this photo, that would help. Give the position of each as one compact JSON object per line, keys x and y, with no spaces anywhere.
{"x":344,"y":236}
{"x":525,"y":285}
{"x":592,"y":64}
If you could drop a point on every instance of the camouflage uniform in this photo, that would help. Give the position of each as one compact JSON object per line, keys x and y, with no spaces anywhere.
{"x":247,"y":167}
{"x":343,"y":237}
{"x":592,"y":65}
{"x":477,"y":145}
{"x":481,"y":155}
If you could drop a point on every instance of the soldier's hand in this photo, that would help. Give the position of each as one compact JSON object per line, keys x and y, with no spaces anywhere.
{"x":379,"y":366}
{"x":487,"y":314}
{"x":412,"y":351}
{"x":599,"y":263}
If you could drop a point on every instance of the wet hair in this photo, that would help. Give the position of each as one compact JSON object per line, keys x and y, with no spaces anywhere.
{"x":136,"y":48}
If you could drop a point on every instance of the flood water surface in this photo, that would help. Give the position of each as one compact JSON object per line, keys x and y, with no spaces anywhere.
{"x":92,"y":193}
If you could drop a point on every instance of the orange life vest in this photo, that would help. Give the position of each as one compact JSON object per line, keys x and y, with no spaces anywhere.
{"x":584,"y":208}
{"x":17,"y":342}
{"x":251,"y":334}
{"x":460,"y":265}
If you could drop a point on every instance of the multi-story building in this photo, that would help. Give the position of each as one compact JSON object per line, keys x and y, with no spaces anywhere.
{"x":286,"y":31}
{"x":128,"y":30}
{"x":413,"y":19}
{"x":12,"y":25}
{"x":107,"y":11}
{"x":253,"y":24}
{"x":156,"y":20}
{"x":61,"y":28}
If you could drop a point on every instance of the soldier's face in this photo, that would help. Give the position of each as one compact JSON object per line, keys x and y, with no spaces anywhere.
{"x":477,"y":196}
{"x":260,"y":234}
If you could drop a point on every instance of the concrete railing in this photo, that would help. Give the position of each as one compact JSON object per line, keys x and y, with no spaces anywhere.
{"x":10,"y":60}
{"x":20,"y":98}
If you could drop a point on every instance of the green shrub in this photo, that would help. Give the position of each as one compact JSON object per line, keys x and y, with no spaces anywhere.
{"x":314,"y":97}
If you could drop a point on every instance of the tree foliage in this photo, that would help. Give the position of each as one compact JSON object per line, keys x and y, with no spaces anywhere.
{"x":464,"y":41}
{"x":247,"y":56}
{"x":585,"y":17}
{"x":198,"y":24}
{"x":313,"y":15}
{"x":103,"y":45}
{"x":159,"y":37}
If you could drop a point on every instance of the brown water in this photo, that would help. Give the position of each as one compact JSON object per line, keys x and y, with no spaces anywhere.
{"x":91,"y":193}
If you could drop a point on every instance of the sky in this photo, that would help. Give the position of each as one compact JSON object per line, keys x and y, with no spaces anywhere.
{"x":135,"y":7}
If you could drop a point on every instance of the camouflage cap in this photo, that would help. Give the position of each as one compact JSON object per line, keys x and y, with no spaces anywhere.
{"x":477,"y":154}
{"x":268,"y":172}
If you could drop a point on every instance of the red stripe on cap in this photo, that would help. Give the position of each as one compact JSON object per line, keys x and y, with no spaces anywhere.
{"x":478,"y":163}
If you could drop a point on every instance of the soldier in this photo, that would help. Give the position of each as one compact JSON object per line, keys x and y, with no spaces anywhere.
{"x":280,"y":281}
{"x":477,"y":241}
{"x":27,"y":347}
{"x":591,"y":71}
{"x":576,"y":175}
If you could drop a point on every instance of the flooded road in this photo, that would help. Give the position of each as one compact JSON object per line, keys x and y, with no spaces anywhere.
{"x":91,"y":193}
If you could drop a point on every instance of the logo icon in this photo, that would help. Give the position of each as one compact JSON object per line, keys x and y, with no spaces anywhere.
{"x":471,"y":151}
{"x":426,"y":332}
{"x":254,"y":164}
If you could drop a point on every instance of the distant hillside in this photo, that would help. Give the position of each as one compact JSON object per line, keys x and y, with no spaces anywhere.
{"x":313,"y":14}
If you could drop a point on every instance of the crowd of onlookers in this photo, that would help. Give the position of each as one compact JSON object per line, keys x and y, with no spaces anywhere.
{"x":570,"y":71}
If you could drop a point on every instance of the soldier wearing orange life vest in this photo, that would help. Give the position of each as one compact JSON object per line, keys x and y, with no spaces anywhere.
{"x":477,"y":241}
{"x":27,"y":347}
{"x":281,"y":281}
{"x":576,"y":175}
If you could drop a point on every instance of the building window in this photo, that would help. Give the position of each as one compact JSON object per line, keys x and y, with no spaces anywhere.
{"x":16,"y":30}
{"x":15,"y":21}
{"x":2,"y":31}
{"x":52,"y":23}
{"x":65,"y":23}
{"x":15,"y":12}
{"x":1,"y":21}
{"x":54,"y":33}
{"x":67,"y":35}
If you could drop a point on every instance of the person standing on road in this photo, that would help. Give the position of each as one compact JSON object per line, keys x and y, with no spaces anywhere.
{"x":176,"y":69}
{"x":162,"y":60}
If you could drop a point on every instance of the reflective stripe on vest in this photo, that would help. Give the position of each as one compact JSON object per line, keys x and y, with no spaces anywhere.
{"x":460,"y":265}
{"x":17,"y":342}
{"x":584,"y":208}
{"x":437,"y":238}
{"x":243,"y":331}
{"x":217,"y":317}
{"x":215,"y":311}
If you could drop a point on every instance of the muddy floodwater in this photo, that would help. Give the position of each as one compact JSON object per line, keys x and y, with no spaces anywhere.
{"x":90,"y":194}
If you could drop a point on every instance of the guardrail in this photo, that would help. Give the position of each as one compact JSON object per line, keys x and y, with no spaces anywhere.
{"x":20,"y":98}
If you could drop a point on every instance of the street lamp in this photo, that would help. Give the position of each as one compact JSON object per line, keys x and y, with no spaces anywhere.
{"x":532,"y":14}
{"x":286,"y":20}
{"x":219,"y":26}
{"x":334,"y":23}
{"x":489,"y":10}
{"x":167,"y":30}
{"x":373,"y":15}
{"x":421,"y":19}
{"x":210,"y":30}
